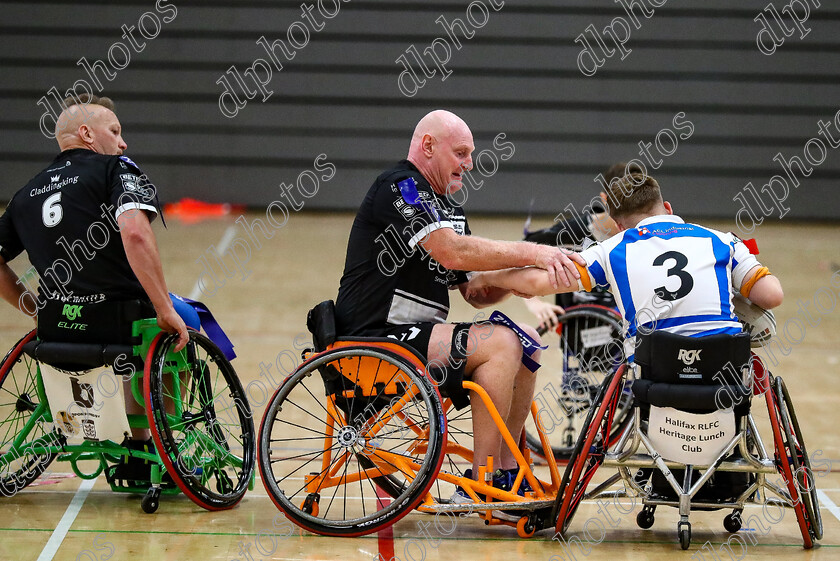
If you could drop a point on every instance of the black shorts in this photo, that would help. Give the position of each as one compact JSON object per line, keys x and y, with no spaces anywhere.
{"x":415,"y":335}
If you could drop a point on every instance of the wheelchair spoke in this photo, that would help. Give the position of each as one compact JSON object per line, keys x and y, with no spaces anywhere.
{"x":335,"y":492}
{"x":337,"y":421}
{"x":317,"y":451}
{"x":339,"y":458}
{"x":298,"y":426}
{"x":305,"y":410}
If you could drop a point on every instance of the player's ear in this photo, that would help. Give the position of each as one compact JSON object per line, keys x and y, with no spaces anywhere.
{"x":428,"y":145}
{"x":668,"y":208}
{"x":85,"y":133}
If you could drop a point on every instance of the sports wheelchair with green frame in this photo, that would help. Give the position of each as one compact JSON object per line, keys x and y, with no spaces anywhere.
{"x":195,"y":409}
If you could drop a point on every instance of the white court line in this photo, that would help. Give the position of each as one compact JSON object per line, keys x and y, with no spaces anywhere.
{"x":227,"y":237}
{"x":829,"y":504}
{"x":66,"y":521}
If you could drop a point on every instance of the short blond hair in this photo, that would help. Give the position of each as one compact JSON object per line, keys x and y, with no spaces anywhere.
{"x":635,"y":193}
{"x":88,"y":99}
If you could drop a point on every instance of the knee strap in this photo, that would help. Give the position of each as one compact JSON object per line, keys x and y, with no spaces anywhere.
{"x":450,"y":378}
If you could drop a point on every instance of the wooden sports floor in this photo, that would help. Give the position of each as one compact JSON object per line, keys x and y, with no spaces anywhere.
{"x":56,"y":518}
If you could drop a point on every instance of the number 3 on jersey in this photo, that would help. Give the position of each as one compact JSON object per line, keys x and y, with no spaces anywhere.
{"x":51,"y":212}
{"x":678,"y":270}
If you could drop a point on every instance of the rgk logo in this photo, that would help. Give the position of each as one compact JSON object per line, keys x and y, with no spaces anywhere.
{"x":71,"y":312}
{"x":688,"y":357}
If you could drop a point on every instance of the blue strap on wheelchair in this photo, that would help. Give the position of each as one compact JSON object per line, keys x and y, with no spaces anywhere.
{"x":529,"y":346}
{"x":211,"y":326}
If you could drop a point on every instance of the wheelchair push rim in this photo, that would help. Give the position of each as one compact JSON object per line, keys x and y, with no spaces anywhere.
{"x":587,"y":457}
{"x":354,"y":446}
{"x":562,"y":408}
{"x":202,"y":426}
{"x":800,"y":464}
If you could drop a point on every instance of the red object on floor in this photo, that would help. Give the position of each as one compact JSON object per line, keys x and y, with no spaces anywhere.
{"x":386,"y":535}
{"x":191,"y":211}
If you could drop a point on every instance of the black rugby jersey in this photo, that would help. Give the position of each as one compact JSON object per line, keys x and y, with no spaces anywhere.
{"x":389,"y":279}
{"x":65,"y":219}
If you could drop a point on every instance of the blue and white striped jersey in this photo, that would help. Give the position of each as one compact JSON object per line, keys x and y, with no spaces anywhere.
{"x":669,"y":275}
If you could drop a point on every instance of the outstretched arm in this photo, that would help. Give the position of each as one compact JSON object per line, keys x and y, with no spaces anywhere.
{"x":473,"y":253}
{"x":529,"y":281}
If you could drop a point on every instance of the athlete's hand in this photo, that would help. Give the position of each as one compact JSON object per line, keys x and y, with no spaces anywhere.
{"x":171,"y":322}
{"x":545,"y":312}
{"x":476,"y":287}
{"x":560,"y":265}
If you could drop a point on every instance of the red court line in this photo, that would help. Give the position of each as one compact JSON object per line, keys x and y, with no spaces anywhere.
{"x":386,"y":535}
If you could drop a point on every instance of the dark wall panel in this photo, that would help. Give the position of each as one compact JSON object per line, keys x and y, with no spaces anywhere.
{"x":517,"y":75}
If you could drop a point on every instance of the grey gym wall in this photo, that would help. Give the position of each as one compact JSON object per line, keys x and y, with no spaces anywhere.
{"x":517,"y":75}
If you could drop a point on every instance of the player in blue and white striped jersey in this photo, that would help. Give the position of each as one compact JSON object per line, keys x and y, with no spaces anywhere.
{"x":665,"y":274}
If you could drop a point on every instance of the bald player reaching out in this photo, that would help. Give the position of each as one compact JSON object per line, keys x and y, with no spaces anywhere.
{"x":681,"y":276}
{"x":407,"y":207}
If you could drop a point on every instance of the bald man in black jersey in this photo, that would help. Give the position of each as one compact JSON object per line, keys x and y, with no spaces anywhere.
{"x":409,"y":246}
{"x":85,"y":223}
{"x":68,"y":218}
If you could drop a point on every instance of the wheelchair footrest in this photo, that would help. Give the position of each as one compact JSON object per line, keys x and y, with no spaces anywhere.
{"x":135,"y":473}
{"x":695,"y":505}
{"x":645,"y":461}
{"x":525,"y":506}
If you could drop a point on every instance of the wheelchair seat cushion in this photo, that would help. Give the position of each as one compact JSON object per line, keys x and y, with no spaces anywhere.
{"x":692,"y":398}
{"x":78,"y":356}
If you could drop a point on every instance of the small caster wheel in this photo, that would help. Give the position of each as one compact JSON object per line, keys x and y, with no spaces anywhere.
{"x":684,"y":530}
{"x":310,"y":505}
{"x":645,"y":518}
{"x":151,"y":501}
{"x":732,"y":522}
{"x":525,"y":527}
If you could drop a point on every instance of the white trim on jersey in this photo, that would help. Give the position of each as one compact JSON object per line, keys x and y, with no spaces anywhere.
{"x":410,"y":308}
{"x":428,"y":229}
{"x":134,"y":205}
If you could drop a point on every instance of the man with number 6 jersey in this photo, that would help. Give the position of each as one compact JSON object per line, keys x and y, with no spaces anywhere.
{"x":85,"y":223}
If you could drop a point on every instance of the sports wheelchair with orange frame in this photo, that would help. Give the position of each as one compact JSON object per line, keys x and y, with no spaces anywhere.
{"x":359,"y":435}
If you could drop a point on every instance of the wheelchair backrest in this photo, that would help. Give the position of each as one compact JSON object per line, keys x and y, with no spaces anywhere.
{"x":678,"y":359}
{"x":321,"y":324}
{"x":693,"y":373}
